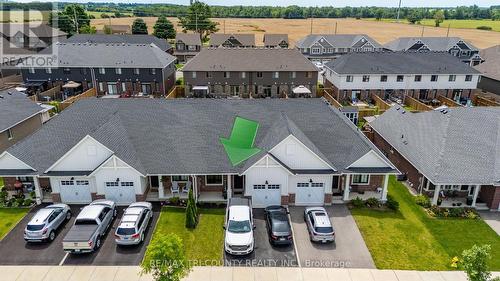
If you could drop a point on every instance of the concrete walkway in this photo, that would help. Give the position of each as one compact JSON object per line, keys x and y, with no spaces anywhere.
{"x":131,"y":273}
{"x":492,"y":219}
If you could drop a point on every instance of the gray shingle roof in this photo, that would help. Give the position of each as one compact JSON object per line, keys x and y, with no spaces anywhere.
{"x":188,"y":38}
{"x":256,"y":59}
{"x":111,"y":55}
{"x":14,"y":108}
{"x":491,"y":66}
{"x":399,"y":63}
{"x":459,"y":147}
{"x":30,"y":30}
{"x":217,"y":39}
{"x":120,"y":38}
{"x":440,"y":44}
{"x":182,"y":136}
{"x":274,"y":39}
{"x":337,"y":41}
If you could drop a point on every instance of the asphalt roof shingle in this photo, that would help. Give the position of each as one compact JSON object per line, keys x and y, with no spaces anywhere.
{"x":491,"y":66}
{"x":217,"y":39}
{"x":441,"y":44}
{"x":336,"y":40}
{"x":188,"y":38}
{"x":15,"y":107}
{"x":120,"y":38}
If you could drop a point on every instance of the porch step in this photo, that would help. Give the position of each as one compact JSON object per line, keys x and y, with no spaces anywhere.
{"x":482,"y":207}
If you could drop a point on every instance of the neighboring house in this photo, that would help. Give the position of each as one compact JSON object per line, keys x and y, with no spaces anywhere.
{"x":121,"y":38}
{"x":456,"y":46}
{"x":118,"y":29}
{"x":258,"y":72}
{"x":127,"y":150}
{"x":30,"y":36}
{"x":11,"y":56}
{"x":490,"y":70}
{"x":19,"y":117}
{"x":276,"y":41}
{"x":451,"y":152}
{"x":422,"y":75}
{"x":232,"y":40}
{"x":112,"y":68}
{"x":326,"y":47}
{"x":187,"y":45}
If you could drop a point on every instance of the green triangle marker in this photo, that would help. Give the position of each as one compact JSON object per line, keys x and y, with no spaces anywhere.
{"x":240,"y":145}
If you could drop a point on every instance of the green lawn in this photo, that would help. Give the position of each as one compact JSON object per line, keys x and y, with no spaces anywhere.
{"x":9,"y":217}
{"x":97,"y":15}
{"x":468,"y":24}
{"x":410,"y":239}
{"x":205,"y":243}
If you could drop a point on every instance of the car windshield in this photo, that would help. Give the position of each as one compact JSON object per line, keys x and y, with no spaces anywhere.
{"x":280,"y":223}
{"x":324,"y":229}
{"x":125,"y":231}
{"x":239,"y":226}
{"x":85,"y":222}
{"x":34,"y":227}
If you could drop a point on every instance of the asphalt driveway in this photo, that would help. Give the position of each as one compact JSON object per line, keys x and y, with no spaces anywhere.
{"x":349,"y":249}
{"x":264,"y":254}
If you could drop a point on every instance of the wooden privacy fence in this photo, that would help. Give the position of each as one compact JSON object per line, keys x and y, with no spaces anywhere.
{"x":10,"y":80}
{"x":54,"y":93}
{"x":447,"y":101}
{"x":380,"y":103}
{"x":416,"y":104}
{"x":87,"y":94}
{"x":483,"y":101}
{"x":176,"y":92}
{"x":326,"y":94}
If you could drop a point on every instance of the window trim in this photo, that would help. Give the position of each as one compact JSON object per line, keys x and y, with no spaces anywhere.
{"x":360,"y":183}
{"x":172,"y":178}
{"x":214,"y":184}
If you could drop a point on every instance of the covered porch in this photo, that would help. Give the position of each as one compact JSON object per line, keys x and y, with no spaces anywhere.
{"x":206,"y":188}
{"x":365,"y":186}
{"x":18,"y":185}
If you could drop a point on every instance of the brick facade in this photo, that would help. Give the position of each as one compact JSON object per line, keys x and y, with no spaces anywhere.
{"x":284,"y":200}
{"x":291,"y":198}
{"x":56,"y":197}
{"x":96,"y":196}
{"x":490,"y":195}
{"x":328,"y":198}
{"x":374,"y":182}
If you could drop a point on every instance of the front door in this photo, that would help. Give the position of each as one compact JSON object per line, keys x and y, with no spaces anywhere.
{"x":112,"y":89}
{"x":471,"y":190}
{"x":238,"y":184}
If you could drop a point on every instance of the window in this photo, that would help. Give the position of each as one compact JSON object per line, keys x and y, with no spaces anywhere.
{"x":227,"y":74}
{"x":317,"y":184}
{"x":193,"y":74}
{"x":349,"y":78}
{"x":31,"y":70}
{"x":102,"y":70}
{"x":360,"y":179}
{"x":259,"y":75}
{"x":452,"y":78}
{"x":124,"y":87}
{"x":316,"y":50}
{"x":67,"y":182}
{"x":208,"y":74}
{"x":180,"y":178}
{"x":243,"y":75}
{"x":383,"y":78}
{"x":127,"y":183}
{"x":276,"y":75}
{"x":293,"y":74}
{"x":137,"y":71}
{"x":48,"y":70}
{"x":213,"y":179}
{"x":9,"y":134}
{"x":468,"y":78}
{"x":434,"y":78}
{"x":118,"y":71}
{"x":309,"y":74}
{"x":101,"y":86}
{"x":67,"y":70}
{"x":82,"y":182}
{"x":366,"y":78}
{"x":302,"y":184}
{"x":111,"y":183}
{"x":418,"y":78}
{"x":329,"y":50}
{"x":400,"y":78}
{"x":259,"y":186}
{"x":153,"y":71}
{"x":273,"y":186}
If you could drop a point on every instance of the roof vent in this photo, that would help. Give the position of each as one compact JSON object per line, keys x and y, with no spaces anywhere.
{"x":1,"y":97}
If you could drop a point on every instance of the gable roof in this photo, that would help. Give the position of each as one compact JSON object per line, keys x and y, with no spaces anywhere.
{"x":110,"y":55}
{"x":337,"y":41}
{"x":120,"y":38}
{"x":274,"y":39}
{"x":461,"y":146}
{"x":399,"y":63}
{"x":15,"y":107}
{"x":217,"y":39}
{"x":183,"y":135}
{"x":188,"y":38}
{"x":255,"y":59}
{"x":491,"y":66}
{"x":30,"y":30}
{"x":440,"y":44}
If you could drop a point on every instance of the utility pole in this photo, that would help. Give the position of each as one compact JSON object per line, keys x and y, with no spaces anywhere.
{"x":224,"y":24}
{"x":311,"y":32}
{"x":448,"y":31}
{"x":196,"y":22}
{"x":76,"y":19}
{"x":422,"y":34}
{"x":399,"y":8}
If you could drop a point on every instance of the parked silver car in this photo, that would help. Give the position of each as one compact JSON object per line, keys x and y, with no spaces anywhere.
{"x":318,"y":225}
{"x":44,"y":224}
{"x":132,"y":227}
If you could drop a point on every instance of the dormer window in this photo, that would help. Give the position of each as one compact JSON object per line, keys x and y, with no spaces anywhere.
{"x":316,"y":50}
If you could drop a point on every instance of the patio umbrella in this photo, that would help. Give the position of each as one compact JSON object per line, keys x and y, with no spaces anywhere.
{"x":301,"y":90}
{"x":71,"y":85}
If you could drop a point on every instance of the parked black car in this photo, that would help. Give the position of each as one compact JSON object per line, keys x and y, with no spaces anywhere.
{"x":278,"y":225}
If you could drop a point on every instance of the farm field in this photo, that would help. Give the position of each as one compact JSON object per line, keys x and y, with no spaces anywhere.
{"x":468,"y":24}
{"x":381,"y":31}
{"x":20,"y":16}
{"x":97,"y":15}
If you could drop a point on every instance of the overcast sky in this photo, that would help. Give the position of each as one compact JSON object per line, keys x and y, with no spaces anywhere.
{"x":336,"y":3}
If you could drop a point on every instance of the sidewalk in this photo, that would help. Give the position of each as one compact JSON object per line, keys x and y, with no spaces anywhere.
{"x":130,"y":273}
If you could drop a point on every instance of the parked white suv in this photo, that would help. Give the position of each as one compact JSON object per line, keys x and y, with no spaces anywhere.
{"x":239,"y":227}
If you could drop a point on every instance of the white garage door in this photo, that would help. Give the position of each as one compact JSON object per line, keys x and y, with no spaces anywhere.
{"x":75,"y":191}
{"x":120,"y":192}
{"x":265,"y":195}
{"x":310,"y":193}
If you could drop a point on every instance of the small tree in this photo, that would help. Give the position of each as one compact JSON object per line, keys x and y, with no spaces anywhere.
{"x":414,"y":17}
{"x":166,"y":259}
{"x":191,"y":211}
{"x":88,"y":29}
{"x":438,"y":17}
{"x":379,"y":13}
{"x":107,"y":29}
{"x":139,"y":27}
{"x":164,"y":28}
{"x":475,"y":263}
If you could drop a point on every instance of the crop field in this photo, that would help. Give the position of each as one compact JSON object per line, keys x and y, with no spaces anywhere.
{"x":20,"y":16}
{"x":381,"y":31}
{"x":467,"y":24}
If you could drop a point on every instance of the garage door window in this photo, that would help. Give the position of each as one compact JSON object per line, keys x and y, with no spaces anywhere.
{"x":82,"y":182}
{"x":302,"y":184}
{"x":360,"y":179}
{"x":67,"y":182}
{"x":111,"y":183}
{"x":127,"y":183}
{"x":273,"y":186}
{"x":259,"y":186}
{"x":317,"y":184}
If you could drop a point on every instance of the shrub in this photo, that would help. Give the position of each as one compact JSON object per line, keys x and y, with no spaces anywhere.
{"x":191,"y":211}
{"x":19,"y":202}
{"x":423,"y":200}
{"x":392,"y":203}
{"x":456,"y":212}
{"x":174,"y":200}
{"x":33,"y":195}
{"x":357,"y":202}
{"x":27,"y":202}
{"x":484,"y":27}
{"x":372,"y":202}
{"x":475,"y":263}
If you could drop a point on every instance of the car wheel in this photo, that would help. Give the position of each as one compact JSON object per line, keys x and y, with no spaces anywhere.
{"x":97,"y":243}
{"x":52,"y":236}
{"x":68,"y":215}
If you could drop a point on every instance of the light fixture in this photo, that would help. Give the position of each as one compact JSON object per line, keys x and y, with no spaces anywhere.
{"x":117,"y":179}
{"x":72,"y":178}
{"x":310,"y":180}
{"x":267,"y":182}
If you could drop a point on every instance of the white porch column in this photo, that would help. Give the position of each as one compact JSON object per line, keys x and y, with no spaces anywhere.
{"x":436,"y":195}
{"x":476,"y":193}
{"x":385,"y":188}
{"x":38,"y":191}
{"x":229,"y":186}
{"x":161,"y":190}
{"x":347,"y":186}
{"x":195,"y":187}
